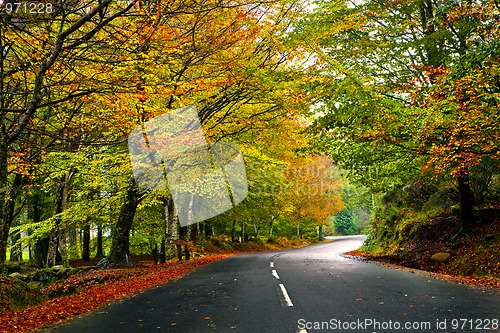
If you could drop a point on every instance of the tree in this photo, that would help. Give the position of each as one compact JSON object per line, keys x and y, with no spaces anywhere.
{"x":386,"y":65}
{"x":221,"y":59}
{"x":343,"y":222}
{"x":39,"y":63}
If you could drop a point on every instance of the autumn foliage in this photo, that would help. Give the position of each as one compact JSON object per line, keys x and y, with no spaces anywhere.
{"x":97,"y":288}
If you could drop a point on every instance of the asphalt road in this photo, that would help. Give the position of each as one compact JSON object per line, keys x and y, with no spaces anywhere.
{"x":311,"y":289}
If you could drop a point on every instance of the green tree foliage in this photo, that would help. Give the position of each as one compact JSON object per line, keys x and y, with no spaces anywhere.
{"x":406,"y":90}
{"x":344,"y":223}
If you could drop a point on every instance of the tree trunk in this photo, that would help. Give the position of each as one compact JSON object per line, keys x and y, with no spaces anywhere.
{"x":233,"y":231}
{"x":63,"y":237}
{"x":16,"y":252}
{"x":4,"y":185}
{"x":320,"y":233}
{"x":271,"y":224}
{"x":464,"y":190}
{"x":208,"y":229}
{"x":72,"y":237}
{"x":53,"y":244}
{"x":118,"y":255}
{"x":155,"y":254}
{"x":86,"y":242}
{"x":7,"y":213}
{"x":41,"y":246}
{"x":162,"y":253}
{"x":59,"y":227}
{"x":195,"y":231}
{"x":186,"y":253}
{"x":100,"y":252}
{"x":242,"y":232}
{"x":30,"y":247}
{"x":171,"y":231}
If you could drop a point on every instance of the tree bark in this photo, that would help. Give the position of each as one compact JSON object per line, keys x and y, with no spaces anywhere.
{"x":208,"y":229}
{"x":16,"y":253}
{"x":233,"y":231}
{"x":162,"y":252}
{"x":86,"y":242}
{"x":171,"y":231}
{"x":195,"y":231}
{"x":155,"y":254}
{"x":100,"y":252}
{"x":118,"y":255}
{"x":59,"y":228}
{"x":242,"y":232}
{"x":271,"y":224}
{"x":6,"y":214}
{"x":464,"y":190}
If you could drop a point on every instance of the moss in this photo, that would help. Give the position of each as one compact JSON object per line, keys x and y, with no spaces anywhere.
{"x":226,"y":247}
{"x":16,"y":294}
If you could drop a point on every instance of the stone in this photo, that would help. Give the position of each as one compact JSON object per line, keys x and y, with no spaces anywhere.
{"x":63,"y":273}
{"x":440,"y":256}
{"x":16,"y":275}
{"x":41,"y":276}
{"x":57,"y":267}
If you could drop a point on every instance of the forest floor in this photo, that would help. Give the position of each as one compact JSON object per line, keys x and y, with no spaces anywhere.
{"x":474,"y":259}
{"x":24,"y":307}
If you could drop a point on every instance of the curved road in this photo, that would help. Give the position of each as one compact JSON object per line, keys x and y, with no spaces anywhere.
{"x":311,"y":289}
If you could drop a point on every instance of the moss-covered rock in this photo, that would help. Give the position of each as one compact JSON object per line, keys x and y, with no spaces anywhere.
{"x":440,"y":256}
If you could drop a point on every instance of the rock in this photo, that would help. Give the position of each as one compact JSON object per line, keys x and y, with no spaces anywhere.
{"x":57,"y":267}
{"x":16,"y":275}
{"x":63,"y":273}
{"x":41,"y":276}
{"x":19,"y":276}
{"x":35,"y":284}
{"x":440,"y":256}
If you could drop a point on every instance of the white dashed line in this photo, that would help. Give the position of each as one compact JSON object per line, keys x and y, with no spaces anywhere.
{"x":275,"y":274}
{"x":271,"y":264}
{"x":285,"y":294}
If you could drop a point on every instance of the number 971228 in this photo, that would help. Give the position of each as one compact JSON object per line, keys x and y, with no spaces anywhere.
{"x":27,"y":8}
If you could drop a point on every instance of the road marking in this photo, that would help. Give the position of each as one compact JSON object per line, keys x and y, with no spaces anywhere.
{"x":271,"y":264}
{"x":275,"y":274}
{"x":285,"y":294}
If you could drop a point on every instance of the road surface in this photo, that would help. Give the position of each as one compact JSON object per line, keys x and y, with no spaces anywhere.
{"x":310,"y":289}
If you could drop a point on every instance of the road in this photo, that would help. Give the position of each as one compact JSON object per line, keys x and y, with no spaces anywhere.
{"x":298,"y":290}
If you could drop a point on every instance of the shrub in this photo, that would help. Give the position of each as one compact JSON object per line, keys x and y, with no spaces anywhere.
{"x":260,"y":240}
{"x":215,"y":241}
{"x":226,"y":247}
{"x":271,"y":239}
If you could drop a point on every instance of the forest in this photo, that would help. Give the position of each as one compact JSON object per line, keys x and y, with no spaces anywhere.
{"x":373,"y":117}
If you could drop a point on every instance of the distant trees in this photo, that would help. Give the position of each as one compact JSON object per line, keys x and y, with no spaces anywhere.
{"x":343,"y":222}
